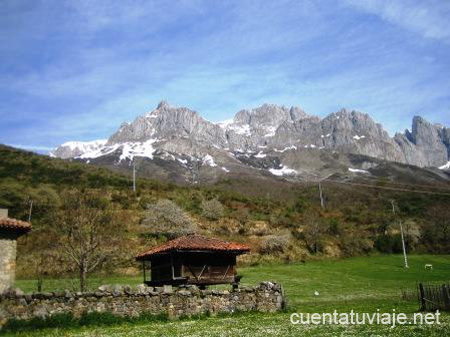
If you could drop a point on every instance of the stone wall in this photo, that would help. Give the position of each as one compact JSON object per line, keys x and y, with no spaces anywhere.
{"x":124,"y":301}
{"x":8,"y":245}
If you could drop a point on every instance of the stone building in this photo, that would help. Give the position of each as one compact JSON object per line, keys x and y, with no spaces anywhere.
{"x":10,"y":230}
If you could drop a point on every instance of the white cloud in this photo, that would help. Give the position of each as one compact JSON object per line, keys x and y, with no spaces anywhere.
{"x":427,"y":18}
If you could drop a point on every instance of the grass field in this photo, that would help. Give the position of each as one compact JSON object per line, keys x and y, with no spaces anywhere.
{"x":363,"y":284}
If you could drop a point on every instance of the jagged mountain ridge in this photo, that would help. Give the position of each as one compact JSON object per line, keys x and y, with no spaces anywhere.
{"x":181,"y":135}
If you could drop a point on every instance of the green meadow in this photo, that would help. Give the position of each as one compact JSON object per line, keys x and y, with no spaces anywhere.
{"x":362,"y":284}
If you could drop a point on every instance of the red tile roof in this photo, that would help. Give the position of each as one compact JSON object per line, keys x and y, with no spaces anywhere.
{"x":197,"y":243}
{"x":15,"y":225}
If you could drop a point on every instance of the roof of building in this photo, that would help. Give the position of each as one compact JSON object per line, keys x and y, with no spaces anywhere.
{"x":15,"y":225}
{"x":194,"y":242}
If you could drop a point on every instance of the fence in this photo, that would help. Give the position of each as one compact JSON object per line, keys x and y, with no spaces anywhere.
{"x":434,"y":297}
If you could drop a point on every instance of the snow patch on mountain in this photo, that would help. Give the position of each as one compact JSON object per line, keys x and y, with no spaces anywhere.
{"x":240,"y":129}
{"x":224,"y":124}
{"x":358,"y":171}
{"x":445,"y":167}
{"x":271,"y":131}
{"x":209,"y":160}
{"x":77,"y":148}
{"x":292,"y":147}
{"x":284,"y":170}
{"x":129,"y":150}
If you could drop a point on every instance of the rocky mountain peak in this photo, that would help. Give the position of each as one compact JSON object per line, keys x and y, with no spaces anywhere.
{"x":163,"y":105}
{"x":296,"y":113}
{"x":180,"y":130}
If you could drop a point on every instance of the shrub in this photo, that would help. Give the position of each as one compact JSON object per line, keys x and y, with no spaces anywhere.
{"x":389,"y":243}
{"x":334,"y":226}
{"x":354,"y":245}
{"x":212,"y":209}
{"x":168,"y":219}
{"x":272,"y":244}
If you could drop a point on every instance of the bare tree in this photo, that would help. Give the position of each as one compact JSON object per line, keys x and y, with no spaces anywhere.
{"x":83,"y":221}
{"x":212,"y":209}
{"x":166,"y":218}
{"x":313,"y":232}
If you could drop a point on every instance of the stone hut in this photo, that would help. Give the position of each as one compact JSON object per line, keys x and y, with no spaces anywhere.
{"x":10,"y":230}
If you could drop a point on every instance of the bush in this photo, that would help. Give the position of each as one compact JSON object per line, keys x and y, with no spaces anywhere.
{"x":389,"y":244}
{"x":67,"y":320}
{"x":272,"y":244}
{"x":168,"y":219}
{"x":354,"y":245}
{"x":212,"y":209}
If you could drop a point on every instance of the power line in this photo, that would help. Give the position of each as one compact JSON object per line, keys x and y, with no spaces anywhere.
{"x":134,"y":177}
{"x":387,"y":188}
{"x":404,"y":184}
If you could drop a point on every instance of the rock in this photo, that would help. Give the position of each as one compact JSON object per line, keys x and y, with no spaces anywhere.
{"x":13,"y":292}
{"x":142,"y":289}
{"x":167,"y":289}
{"x":105,"y":288}
{"x":184,"y":293}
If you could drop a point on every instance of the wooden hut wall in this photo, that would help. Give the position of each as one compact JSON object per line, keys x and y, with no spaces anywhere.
{"x":209,"y":267}
{"x":161,"y":268}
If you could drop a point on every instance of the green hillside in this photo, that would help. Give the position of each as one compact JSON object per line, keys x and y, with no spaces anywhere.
{"x":281,"y":220}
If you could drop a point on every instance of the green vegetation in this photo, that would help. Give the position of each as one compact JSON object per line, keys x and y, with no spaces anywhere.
{"x":282,"y":221}
{"x":363,"y":284}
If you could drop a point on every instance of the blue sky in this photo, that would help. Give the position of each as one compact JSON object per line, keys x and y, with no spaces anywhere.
{"x":75,"y":70}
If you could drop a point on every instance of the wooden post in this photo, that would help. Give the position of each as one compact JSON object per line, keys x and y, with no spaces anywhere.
{"x":143,"y":266}
{"x":173,"y":270}
{"x":423,"y":305}
{"x":446,"y":294}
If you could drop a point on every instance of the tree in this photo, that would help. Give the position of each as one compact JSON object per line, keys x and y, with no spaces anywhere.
{"x":166,"y":218}
{"x":436,"y":229}
{"x":313,"y":232}
{"x":40,"y":255}
{"x":212,"y":209}
{"x":84,"y":224}
{"x":272,"y":244}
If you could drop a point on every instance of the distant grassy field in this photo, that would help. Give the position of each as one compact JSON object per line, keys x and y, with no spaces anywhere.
{"x":363,"y":284}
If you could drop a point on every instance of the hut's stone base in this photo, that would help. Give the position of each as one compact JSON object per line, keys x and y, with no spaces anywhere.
{"x":267,"y":297}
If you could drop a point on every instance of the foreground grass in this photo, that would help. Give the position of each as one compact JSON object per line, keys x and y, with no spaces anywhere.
{"x":249,"y":325}
{"x":362,"y":284}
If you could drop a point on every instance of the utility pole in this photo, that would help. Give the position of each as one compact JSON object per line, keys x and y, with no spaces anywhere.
{"x":134,"y":177}
{"x":321,"y":195}
{"x":195,"y":169}
{"x":322,"y":201}
{"x":31,"y":209}
{"x":403,"y":238}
